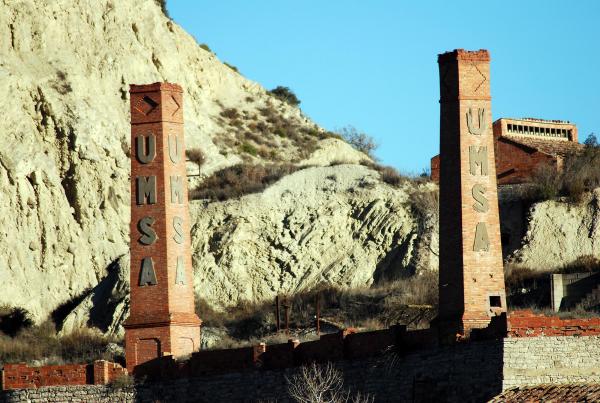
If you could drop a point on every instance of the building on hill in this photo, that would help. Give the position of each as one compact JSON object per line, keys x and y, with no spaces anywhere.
{"x":521,"y":145}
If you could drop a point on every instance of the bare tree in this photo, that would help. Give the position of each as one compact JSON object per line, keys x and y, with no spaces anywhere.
{"x":359,"y":140}
{"x":321,"y":384}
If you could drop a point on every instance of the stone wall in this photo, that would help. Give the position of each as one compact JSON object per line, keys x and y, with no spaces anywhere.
{"x":536,"y":360}
{"x":474,"y":371}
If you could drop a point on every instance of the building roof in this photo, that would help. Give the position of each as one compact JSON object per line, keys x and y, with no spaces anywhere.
{"x":542,"y":121}
{"x":550,"y":147}
{"x":547,"y":393}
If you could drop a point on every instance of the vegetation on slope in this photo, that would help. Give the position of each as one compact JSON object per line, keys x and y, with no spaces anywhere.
{"x":21,"y":341}
{"x":411,"y":301}
{"x":580,"y":174}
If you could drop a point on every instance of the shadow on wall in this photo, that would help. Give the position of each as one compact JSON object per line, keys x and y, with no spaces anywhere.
{"x":416,"y":371}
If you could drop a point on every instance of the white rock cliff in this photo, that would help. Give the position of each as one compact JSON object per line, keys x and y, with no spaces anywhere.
{"x":65,"y":67}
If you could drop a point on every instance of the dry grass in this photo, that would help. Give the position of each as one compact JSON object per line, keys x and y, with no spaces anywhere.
{"x":411,"y":301}
{"x":389,"y":175}
{"x":529,"y":288}
{"x":425,"y":202}
{"x":41,"y":343}
{"x":239,"y":180}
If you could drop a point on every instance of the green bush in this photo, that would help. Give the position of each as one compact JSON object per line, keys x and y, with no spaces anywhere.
{"x":285,"y":94}
{"x":249,"y":149}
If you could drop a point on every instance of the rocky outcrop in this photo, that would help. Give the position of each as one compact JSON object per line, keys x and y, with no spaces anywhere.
{"x":559,"y":233}
{"x":65,"y":67}
{"x":337,"y":225}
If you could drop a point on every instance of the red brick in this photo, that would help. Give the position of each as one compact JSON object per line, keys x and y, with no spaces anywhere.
{"x":162,"y":318}
{"x":467,"y":277}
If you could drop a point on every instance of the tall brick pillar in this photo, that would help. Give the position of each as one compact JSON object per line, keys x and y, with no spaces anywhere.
{"x":162,"y":318}
{"x":471,"y":273}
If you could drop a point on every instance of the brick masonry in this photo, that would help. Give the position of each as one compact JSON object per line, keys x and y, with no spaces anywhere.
{"x":520,"y":147}
{"x":472,"y":371}
{"x":162,"y":320}
{"x":527,"y":324}
{"x":471,"y":285}
{"x":21,"y":376}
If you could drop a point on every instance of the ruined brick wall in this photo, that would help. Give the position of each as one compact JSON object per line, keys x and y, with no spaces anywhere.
{"x":17,"y":376}
{"x":435,"y":169}
{"x":21,"y":376}
{"x":516,"y":164}
{"x":528,"y":324}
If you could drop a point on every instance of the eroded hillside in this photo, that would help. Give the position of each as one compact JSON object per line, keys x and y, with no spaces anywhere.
{"x":64,"y":175}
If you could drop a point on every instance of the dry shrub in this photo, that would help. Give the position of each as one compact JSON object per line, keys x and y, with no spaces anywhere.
{"x":516,"y":276}
{"x":359,"y":140}
{"x":580,"y":174}
{"x":425,"y":202}
{"x":123,"y":381}
{"x":376,"y":307}
{"x":546,"y":183}
{"x":586,"y":263}
{"x":239,"y":180}
{"x":321,"y":384}
{"x":230,"y":113}
{"x":196,"y":155}
{"x":389,"y":175}
{"x":14,"y":319}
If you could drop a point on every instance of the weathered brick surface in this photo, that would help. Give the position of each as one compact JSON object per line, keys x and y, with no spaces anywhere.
{"x":471,"y":272}
{"x":106,"y":372}
{"x":162,"y":319}
{"x":21,"y":376}
{"x":18,"y":376}
{"x":527,"y":324}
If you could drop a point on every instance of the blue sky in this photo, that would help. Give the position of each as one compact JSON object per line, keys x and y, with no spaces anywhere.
{"x":373,"y":64}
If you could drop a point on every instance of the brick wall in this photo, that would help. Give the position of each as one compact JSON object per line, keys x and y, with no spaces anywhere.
{"x":528,"y":324}
{"x":20,"y":376}
{"x":516,"y":164}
